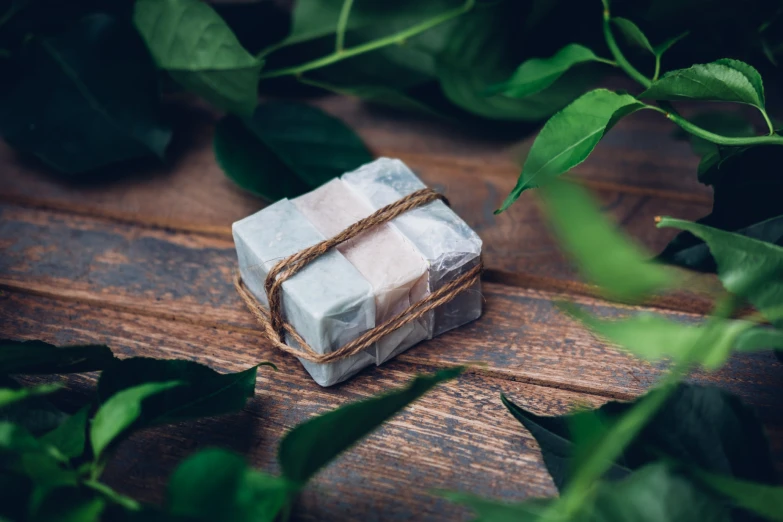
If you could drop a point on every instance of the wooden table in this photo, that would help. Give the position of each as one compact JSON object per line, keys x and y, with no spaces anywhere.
{"x":145,"y":265}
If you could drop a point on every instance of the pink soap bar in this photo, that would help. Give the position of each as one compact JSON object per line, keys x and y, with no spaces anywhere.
{"x":396,"y":271}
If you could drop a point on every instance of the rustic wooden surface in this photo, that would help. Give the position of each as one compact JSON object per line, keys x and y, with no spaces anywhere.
{"x":144,"y":264}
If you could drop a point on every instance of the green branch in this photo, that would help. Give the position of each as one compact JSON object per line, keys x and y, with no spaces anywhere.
{"x":772,"y":139}
{"x":624,"y":64}
{"x":396,"y":38}
{"x":342,"y":24}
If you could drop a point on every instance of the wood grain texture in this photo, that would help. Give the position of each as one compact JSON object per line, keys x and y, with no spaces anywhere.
{"x":457,"y":437}
{"x":521,"y":336}
{"x":191,"y":193}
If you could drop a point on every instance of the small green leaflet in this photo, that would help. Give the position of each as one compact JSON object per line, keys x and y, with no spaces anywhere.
{"x":38,"y":357}
{"x":587,"y":235}
{"x":747,"y":267}
{"x":289,"y":148}
{"x":723,"y":80}
{"x":215,"y":484}
{"x":635,"y":36}
{"x":569,"y":137}
{"x":764,"y":499}
{"x":311,"y":445}
{"x":120,"y":412}
{"x":9,"y":396}
{"x":654,"y":337}
{"x":190,"y":40}
{"x":537,"y":74}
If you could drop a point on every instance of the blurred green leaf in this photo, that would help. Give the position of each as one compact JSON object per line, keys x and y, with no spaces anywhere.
{"x":37,"y":357}
{"x":257,"y":24}
{"x":311,"y":445}
{"x":747,"y":267}
{"x":697,"y":426}
{"x":537,"y":74}
{"x":120,"y":411}
{"x":296,"y":147}
{"x":587,"y":235}
{"x":190,"y":40}
{"x":764,"y":499}
{"x":569,"y":137}
{"x":633,"y":34}
{"x":70,"y":436}
{"x":9,"y":396}
{"x":723,"y":80}
{"x":85,"y":99}
{"x":655,"y":493}
{"x":35,"y":414}
{"x":202,"y":392}
{"x":69,"y":504}
{"x":215,"y":484}
{"x":479,"y":54}
{"x":654,"y":337}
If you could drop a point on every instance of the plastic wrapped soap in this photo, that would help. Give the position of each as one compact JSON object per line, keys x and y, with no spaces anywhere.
{"x":328,"y":302}
{"x":391,"y":264}
{"x":449,"y":246}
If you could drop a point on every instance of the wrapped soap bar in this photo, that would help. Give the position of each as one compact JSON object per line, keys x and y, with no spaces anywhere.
{"x":359,"y":289}
{"x":328,"y":302}
{"x":449,"y":246}
{"x":393,"y":267}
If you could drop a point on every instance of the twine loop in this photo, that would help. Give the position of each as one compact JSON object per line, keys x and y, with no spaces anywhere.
{"x":275,"y":326}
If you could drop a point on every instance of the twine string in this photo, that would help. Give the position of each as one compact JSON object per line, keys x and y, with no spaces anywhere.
{"x":275,"y":325}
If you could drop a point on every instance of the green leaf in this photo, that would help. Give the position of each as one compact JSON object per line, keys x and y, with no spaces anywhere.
{"x":252,"y":165}
{"x":190,"y":40}
{"x":311,"y":445}
{"x":9,"y":396}
{"x":69,"y":437}
{"x":633,"y":34}
{"x":729,"y":124}
{"x":202,"y":392}
{"x":586,"y":235}
{"x":764,"y":499}
{"x":35,"y":414}
{"x":654,"y":337}
{"x":35,"y":357}
{"x":87,"y":98}
{"x":215,"y":484}
{"x":120,"y":412}
{"x":724,"y":80}
{"x":570,"y":136}
{"x":697,"y":426}
{"x":747,"y":267}
{"x":479,"y":53}
{"x":297,"y":147}
{"x":537,"y":74}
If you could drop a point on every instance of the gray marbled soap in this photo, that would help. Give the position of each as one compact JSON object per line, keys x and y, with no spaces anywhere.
{"x":449,"y":246}
{"x":328,"y":302}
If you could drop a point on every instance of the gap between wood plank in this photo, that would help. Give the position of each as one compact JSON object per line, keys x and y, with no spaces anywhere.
{"x":685,"y":302}
{"x":476,"y":369}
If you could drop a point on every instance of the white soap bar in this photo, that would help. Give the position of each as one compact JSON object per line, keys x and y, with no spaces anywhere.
{"x":391,"y":264}
{"x":448,"y":244}
{"x":328,"y":302}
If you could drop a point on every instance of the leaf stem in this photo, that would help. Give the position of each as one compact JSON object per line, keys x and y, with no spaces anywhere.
{"x":396,"y":38}
{"x":771,"y":139}
{"x":657,"y":67}
{"x":769,"y":123}
{"x":342,"y":24}
{"x":624,"y":64}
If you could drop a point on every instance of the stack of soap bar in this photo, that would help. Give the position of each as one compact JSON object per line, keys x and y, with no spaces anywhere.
{"x":369,"y":279}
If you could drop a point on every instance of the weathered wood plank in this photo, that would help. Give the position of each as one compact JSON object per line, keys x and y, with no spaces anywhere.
{"x":521,"y":336}
{"x":457,"y":437}
{"x":191,"y":193}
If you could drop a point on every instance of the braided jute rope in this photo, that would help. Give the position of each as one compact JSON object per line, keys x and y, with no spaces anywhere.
{"x":275,"y":326}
